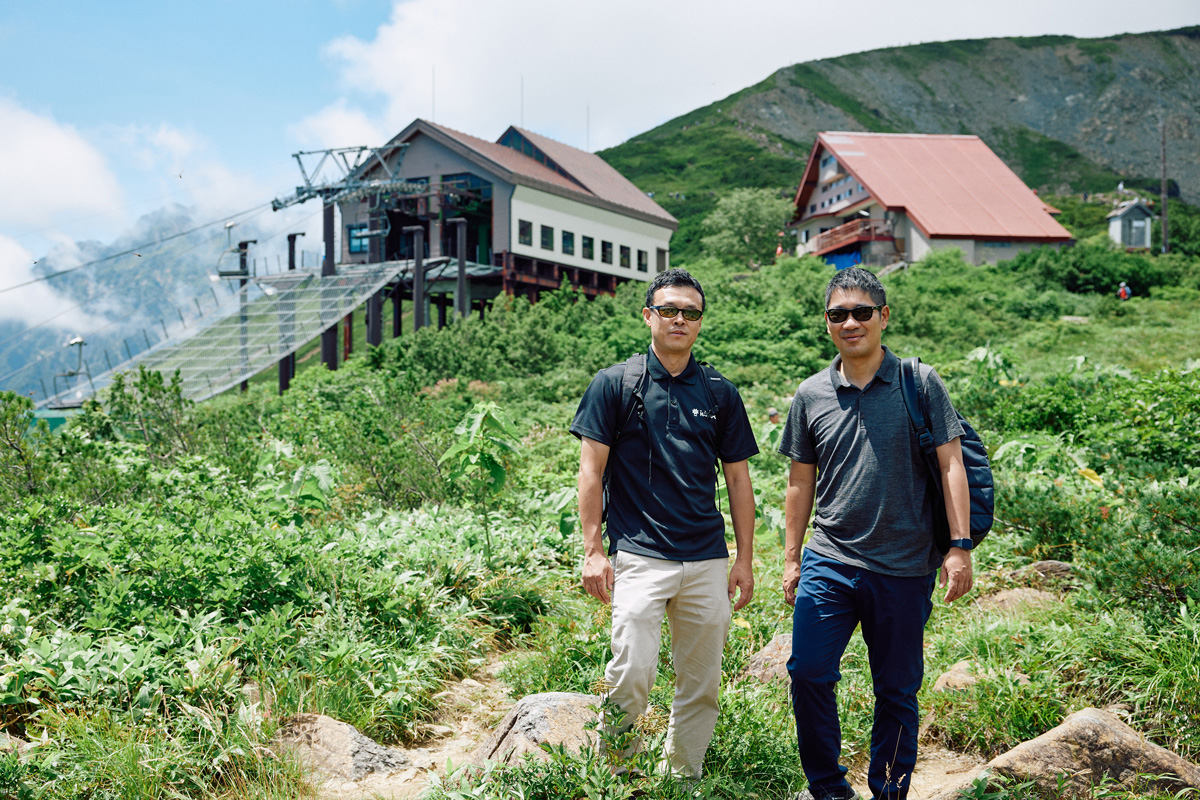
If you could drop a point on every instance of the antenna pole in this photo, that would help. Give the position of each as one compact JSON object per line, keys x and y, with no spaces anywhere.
{"x":1162,"y":124}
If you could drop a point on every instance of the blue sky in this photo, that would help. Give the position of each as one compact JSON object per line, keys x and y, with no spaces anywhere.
{"x":109,"y":111}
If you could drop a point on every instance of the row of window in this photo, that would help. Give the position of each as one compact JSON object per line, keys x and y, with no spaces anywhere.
{"x":827,"y":160}
{"x":837,"y":198}
{"x":587,"y":246}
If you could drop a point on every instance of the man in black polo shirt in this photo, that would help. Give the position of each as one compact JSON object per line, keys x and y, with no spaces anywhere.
{"x":872,"y":558}
{"x":666,"y":536}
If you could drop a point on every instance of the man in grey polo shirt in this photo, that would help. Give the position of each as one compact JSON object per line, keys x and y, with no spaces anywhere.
{"x":871,"y":559}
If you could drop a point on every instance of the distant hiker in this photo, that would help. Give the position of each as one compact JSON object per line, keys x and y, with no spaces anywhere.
{"x":1123,"y":292}
{"x":872,"y":558}
{"x":773,"y":415}
{"x":655,"y":427}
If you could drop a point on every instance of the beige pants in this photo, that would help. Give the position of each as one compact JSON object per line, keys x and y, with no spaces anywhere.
{"x":694,"y":596}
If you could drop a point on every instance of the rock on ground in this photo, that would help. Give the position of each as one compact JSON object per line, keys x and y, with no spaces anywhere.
{"x":9,"y":744}
{"x":549,"y":718}
{"x":770,"y":664}
{"x":1087,"y":747}
{"x":338,"y":750}
{"x":1047,"y":573}
{"x":962,"y":676}
{"x":1016,"y":599}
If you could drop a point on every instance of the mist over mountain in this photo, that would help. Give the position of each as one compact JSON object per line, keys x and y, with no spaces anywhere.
{"x":125,"y":296}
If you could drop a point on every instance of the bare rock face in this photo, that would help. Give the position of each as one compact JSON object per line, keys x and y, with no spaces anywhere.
{"x":548,"y":718}
{"x":1011,"y":600}
{"x":338,"y":750}
{"x":1091,"y":744}
{"x":1048,"y":573}
{"x":770,"y":664}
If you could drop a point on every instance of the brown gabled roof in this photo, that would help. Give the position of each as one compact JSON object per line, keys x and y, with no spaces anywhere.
{"x":949,"y":186}
{"x":598,"y":176}
{"x":589,"y":178}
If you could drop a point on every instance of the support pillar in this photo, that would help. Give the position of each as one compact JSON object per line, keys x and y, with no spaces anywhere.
{"x":287,"y":364}
{"x":375,"y":319}
{"x":329,"y":348}
{"x":418,"y":233}
{"x":462,"y":303}
{"x":244,"y":268}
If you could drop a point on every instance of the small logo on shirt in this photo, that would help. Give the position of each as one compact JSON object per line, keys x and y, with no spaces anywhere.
{"x":697,"y":412}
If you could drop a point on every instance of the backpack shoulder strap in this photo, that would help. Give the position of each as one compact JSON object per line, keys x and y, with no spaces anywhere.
{"x":914,"y":399}
{"x":631,"y":391}
{"x":715,"y":384}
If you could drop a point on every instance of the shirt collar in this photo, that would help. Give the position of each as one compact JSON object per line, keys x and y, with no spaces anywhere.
{"x":886,"y":372}
{"x":658,"y":372}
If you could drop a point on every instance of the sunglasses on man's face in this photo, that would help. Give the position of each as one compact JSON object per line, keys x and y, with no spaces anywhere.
{"x":670,"y":312}
{"x":862,"y":313}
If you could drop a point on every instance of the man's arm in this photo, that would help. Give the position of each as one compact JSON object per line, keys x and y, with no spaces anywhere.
{"x":597,"y":571}
{"x":797,"y":509}
{"x":741,"y":509}
{"x":957,"y":572}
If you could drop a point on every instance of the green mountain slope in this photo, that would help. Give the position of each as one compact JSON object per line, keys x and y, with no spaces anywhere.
{"x":1068,"y":115}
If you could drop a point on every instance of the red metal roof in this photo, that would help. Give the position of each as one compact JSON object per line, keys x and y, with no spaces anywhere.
{"x":949,"y":186}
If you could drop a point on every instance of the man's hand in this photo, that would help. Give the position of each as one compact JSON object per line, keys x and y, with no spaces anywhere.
{"x":741,"y":576}
{"x":598,"y":577}
{"x":791,"y":579}
{"x":957,"y":573}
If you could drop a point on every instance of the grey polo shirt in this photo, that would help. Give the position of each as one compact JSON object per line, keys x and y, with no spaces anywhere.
{"x":874,"y":501}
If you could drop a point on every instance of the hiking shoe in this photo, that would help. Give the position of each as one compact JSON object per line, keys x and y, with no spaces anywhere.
{"x":808,"y":795}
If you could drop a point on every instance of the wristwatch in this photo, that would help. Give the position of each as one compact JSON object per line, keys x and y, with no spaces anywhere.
{"x":965,"y":544}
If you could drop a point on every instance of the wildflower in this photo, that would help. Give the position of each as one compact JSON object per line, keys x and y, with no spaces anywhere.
{"x":653,"y":722}
{"x":601,"y":686}
{"x":6,"y":629}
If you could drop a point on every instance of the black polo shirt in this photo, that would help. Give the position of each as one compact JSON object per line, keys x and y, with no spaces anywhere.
{"x":662,"y":476}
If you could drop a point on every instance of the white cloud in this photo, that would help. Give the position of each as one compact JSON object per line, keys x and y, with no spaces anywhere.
{"x":633,"y":63}
{"x":51,"y":173}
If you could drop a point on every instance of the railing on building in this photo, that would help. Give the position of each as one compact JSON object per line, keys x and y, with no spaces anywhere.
{"x":865,"y":229}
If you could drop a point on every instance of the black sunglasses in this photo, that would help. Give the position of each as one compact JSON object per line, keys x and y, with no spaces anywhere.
{"x":669,"y":312}
{"x":862,"y":313}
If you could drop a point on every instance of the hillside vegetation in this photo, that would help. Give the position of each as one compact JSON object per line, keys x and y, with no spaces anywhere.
{"x":1068,"y":115}
{"x":178,"y":580}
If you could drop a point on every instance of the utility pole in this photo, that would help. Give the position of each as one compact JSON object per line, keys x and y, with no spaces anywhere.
{"x":1162,"y":124}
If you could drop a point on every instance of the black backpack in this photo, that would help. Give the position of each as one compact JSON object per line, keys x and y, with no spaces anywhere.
{"x":633,"y":384}
{"x":979,"y":471}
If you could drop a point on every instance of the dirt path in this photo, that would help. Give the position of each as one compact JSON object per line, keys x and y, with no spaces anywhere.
{"x":470,"y":708}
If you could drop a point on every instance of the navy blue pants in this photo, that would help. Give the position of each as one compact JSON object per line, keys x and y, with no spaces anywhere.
{"x":831,"y":600}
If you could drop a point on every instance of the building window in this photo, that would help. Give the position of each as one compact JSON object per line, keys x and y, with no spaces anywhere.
{"x":812,"y":209}
{"x":356,"y":236}
{"x":804,"y":236}
{"x":568,"y":246}
{"x":606,"y":252}
{"x":589,"y":247}
{"x":624,"y":256}
{"x":547,"y":237}
{"x":643,"y":261}
{"x":525,"y":232}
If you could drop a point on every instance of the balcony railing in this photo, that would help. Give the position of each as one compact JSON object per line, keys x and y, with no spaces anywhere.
{"x":865,"y":229}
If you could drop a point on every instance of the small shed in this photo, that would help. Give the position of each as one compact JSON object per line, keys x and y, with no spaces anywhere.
{"x":1129,"y":224}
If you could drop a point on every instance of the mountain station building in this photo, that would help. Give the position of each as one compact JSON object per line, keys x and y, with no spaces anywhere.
{"x":539,"y":214}
{"x":882,"y":198}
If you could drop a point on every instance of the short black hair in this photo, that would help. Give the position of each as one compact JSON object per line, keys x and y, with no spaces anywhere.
{"x":857,"y":278}
{"x":673,"y":277}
